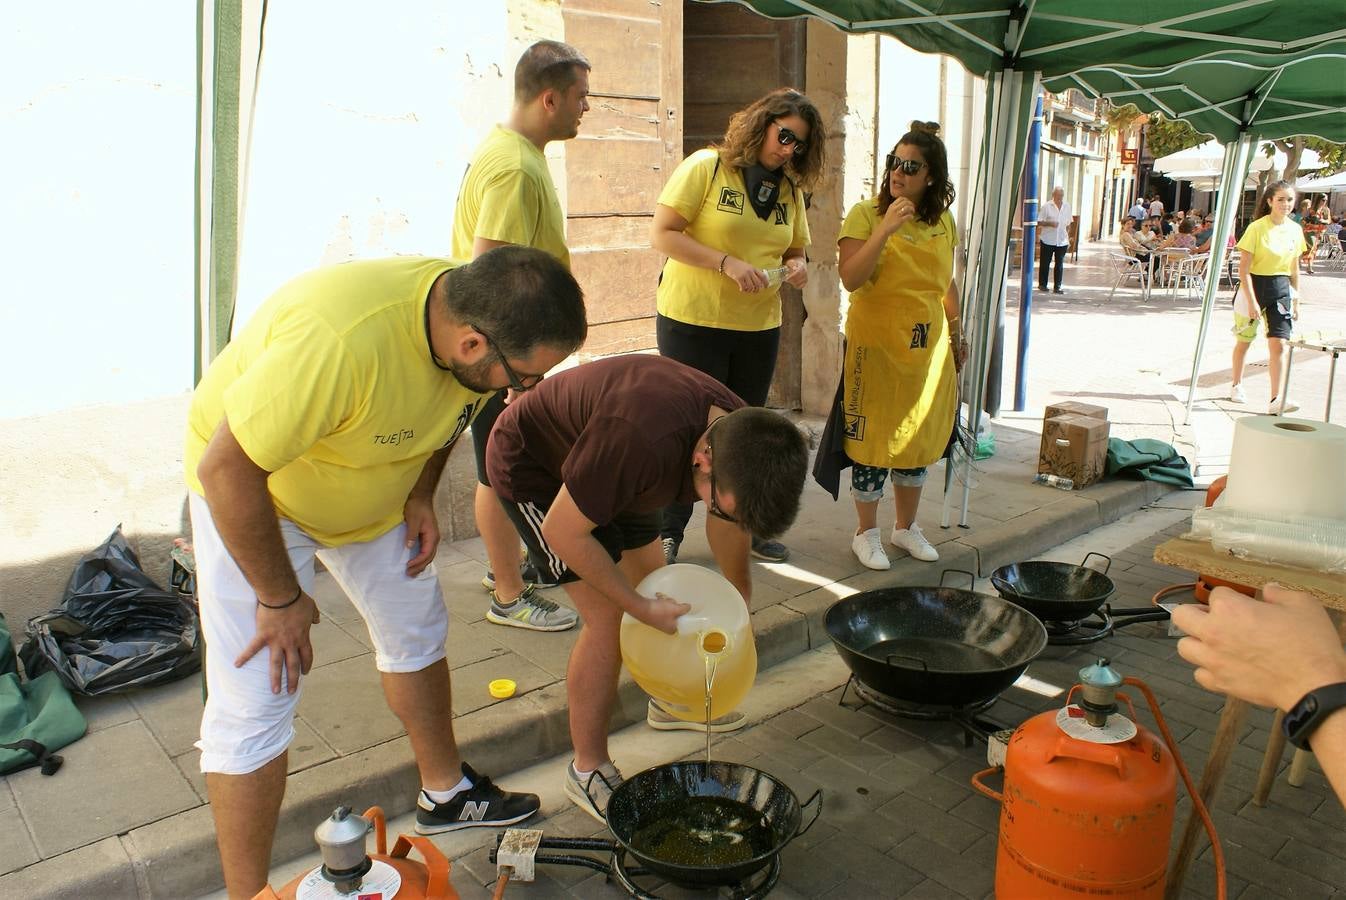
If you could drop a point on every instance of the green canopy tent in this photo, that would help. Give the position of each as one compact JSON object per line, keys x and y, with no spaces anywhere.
{"x":1237,"y":70}
{"x":1241,"y":97}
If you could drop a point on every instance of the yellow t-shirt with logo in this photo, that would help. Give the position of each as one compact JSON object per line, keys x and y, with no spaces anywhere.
{"x":1275,"y":248}
{"x":331,"y":387}
{"x":508,"y":196}
{"x":718,"y":214}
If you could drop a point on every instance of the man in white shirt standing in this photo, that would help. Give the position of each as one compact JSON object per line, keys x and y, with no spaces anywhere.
{"x":1156,"y":206}
{"x":1054,"y":235}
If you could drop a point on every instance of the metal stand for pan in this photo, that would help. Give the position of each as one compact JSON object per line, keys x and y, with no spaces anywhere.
{"x":974,"y":726}
{"x":628,"y":878}
{"x":1099,"y":625}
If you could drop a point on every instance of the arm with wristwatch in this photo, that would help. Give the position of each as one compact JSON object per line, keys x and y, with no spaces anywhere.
{"x":1282,"y":651}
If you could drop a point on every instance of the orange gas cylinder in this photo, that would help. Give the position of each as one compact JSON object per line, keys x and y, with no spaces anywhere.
{"x":389,"y":876}
{"x":1087,"y":804}
{"x":1204,"y":583}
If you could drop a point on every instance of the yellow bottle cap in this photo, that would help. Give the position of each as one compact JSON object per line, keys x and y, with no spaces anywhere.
{"x":501,"y":688}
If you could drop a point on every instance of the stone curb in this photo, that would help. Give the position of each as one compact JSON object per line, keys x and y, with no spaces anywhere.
{"x":175,"y":856}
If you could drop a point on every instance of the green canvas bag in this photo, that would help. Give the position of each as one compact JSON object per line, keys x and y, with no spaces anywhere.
{"x":36,"y":718}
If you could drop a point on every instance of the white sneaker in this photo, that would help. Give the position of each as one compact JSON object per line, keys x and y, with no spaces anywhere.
{"x":868,"y":548}
{"x":1236,"y":394}
{"x":912,"y":541}
{"x":1275,"y":408}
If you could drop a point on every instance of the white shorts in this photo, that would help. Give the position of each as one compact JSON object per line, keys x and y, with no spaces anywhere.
{"x":245,"y":726}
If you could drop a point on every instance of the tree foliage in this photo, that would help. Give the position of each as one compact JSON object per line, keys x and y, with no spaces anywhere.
{"x":1164,"y":136}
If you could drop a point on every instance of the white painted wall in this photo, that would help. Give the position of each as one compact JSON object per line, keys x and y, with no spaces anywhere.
{"x":366,"y":117}
{"x":97,"y":103}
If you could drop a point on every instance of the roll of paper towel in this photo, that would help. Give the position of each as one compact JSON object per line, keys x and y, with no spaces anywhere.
{"x":1287,"y":467}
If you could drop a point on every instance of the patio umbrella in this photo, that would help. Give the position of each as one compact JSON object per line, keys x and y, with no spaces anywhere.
{"x":1331,"y":184}
{"x":1206,"y":160}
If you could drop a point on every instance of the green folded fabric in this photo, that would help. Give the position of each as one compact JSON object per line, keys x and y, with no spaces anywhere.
{"x":1146,"y":459}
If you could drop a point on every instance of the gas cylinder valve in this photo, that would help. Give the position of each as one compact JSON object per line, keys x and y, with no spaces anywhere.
{"x":1098,"y":689}
{"x":341,"y":840}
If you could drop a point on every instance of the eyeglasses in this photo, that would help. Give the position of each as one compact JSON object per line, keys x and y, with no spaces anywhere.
{"x":905,"y":166}
{"x":517,"y":382}
{"x":786,"y":137}
{"x":714,"y":501}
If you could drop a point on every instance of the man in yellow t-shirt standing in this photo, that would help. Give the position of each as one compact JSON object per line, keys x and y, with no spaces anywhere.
{"x":320,"y":433}
{"x":507,"y":197}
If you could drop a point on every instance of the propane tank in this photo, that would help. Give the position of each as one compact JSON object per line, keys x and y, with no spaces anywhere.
{"x":1088,"y":801}
{"x":348,"y":871}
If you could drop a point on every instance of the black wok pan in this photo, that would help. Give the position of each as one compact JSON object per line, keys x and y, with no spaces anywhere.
{"x":706,"y":823}
{"x":1056,"y":592}
{"x":934,"y":645}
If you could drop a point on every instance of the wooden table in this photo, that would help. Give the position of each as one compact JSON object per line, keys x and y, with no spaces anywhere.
{"x":1200,"y":556}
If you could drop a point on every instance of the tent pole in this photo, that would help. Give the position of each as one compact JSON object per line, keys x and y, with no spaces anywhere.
{"x":1009,"y":92}
{"x":1237,"y":159}
{"x":1031,"y":165}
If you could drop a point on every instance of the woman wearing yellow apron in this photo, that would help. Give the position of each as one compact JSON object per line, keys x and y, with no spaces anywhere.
{"x":903,"y":342}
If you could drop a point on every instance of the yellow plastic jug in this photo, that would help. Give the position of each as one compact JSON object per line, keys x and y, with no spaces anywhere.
{"x":713,"y":648}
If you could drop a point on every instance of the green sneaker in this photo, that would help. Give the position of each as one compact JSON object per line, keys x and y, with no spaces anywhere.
{"x":532,"y":612}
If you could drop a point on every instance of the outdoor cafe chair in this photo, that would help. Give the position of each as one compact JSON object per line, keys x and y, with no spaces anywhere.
{"x":1125,"y":267}
{"x":1169,"y":260}
{"x":1330,"y":249}
{"x":1190,"y":272}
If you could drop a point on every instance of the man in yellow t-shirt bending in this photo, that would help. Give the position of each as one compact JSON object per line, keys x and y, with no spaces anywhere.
{"x":321,"y":432}
{"x":507,"y":197}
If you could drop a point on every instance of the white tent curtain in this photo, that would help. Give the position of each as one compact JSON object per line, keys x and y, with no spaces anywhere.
{"x":1009,"y":111}
{"x":229,"y":57}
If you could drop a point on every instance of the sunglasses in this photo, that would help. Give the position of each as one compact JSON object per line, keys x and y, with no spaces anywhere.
{"x":786,"y":137}
{"x":905,"y":166}
{"x":714,"y":501}
{"x":518,"y":383}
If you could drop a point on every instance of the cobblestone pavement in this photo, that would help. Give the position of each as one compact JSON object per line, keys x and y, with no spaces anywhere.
{"x":900,"y":818}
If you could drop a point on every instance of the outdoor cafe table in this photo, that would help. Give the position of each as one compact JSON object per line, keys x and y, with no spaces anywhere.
{"x":1200,"y":556}
{"x":1333,"y":346}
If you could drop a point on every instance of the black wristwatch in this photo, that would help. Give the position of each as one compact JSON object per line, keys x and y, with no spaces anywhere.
{"x":1306,"y":715}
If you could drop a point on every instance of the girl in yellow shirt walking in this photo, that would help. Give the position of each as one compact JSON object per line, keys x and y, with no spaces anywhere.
{"x":1269,"y":254}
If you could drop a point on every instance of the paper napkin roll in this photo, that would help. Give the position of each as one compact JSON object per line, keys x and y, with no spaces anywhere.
{"x":1287,"y":467}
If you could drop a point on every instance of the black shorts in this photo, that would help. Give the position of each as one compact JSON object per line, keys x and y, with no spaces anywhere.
{"x":1273,"y":296}
{"x":629,"y":531}
{"x":481,"y":430}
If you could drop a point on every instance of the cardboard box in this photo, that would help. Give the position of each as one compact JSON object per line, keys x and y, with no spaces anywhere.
{"x":1074,"y":447}
{"x":1075,"y":408}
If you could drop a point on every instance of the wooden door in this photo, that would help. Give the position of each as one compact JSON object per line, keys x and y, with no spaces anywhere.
{"x":629,"y":142}
{"x":731,"y":56}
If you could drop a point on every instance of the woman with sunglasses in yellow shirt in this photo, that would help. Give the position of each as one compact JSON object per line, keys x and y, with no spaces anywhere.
{"x":903,"y":341}
{"x":732,"y":222}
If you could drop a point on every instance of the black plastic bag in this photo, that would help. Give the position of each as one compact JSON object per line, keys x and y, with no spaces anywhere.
{"x":115,"y":629}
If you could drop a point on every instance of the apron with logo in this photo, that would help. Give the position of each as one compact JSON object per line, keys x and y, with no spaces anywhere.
{"x":900,"y":388}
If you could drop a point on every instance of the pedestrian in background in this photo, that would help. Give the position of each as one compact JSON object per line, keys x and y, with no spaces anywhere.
{"x":1054,"y":235}
{"x":1269,"y":252}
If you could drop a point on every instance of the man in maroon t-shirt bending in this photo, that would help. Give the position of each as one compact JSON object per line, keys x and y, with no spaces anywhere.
{"x":584,"y":462}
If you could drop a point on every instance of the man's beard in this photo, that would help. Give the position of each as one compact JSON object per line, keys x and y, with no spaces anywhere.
{"x":474,"y":376}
